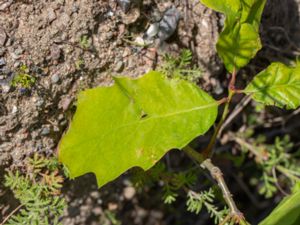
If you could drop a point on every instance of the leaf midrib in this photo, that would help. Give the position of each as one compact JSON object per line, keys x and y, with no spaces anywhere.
{"x":149,"y":118}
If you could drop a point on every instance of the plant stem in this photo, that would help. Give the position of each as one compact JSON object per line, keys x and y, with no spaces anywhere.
{"x":287,"y":173}
{"x":216,"y":173}
{"x":231,"y":91}
{"x":11,"y":214}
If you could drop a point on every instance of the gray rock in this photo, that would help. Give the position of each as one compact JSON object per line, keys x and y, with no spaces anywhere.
{"x":5,"y":87}
{"x":3,"y":37}
{"x":2,"y":62}
{"x":45,"y":131}
{"x":119,"y":66}
{"x":168,"y":24}
{"x":54,"y":78}
{"x":124,"y":5}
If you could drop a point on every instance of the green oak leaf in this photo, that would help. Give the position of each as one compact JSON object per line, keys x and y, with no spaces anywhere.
{"x":286,"y":213}
{"x":133,"y":123}
{"x":277,"y":85}
{"x":239,"y":41}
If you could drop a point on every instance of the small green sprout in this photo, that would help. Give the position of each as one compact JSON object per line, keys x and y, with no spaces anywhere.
{"x":23,"y":79}
{"x":84,"y":42}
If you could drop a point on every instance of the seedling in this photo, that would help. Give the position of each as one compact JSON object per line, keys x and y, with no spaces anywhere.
{"x":23,"y":79}
{"x":37,"y":186}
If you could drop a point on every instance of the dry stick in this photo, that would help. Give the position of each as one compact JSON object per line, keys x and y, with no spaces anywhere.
{"x":244,"y":102}
{"x":216,"y":173}
{"x":288,"y":173}
{"x":11,"y":214}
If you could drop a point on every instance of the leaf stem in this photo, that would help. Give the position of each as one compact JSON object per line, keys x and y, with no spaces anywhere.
{"x":231,"y":91}
{"x":287,"y":173}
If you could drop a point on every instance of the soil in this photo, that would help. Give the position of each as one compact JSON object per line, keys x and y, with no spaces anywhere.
{"x":72,"y":45}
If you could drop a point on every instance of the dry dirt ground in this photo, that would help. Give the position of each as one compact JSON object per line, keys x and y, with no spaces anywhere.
{"x":72,"y":45}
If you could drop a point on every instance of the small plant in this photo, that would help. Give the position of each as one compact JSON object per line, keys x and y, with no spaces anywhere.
{"x":23,"y":79}
{"x":84,"y":42}
{"x":37,"y":186}
{"x":79,"y":64}
{"x":196,"y":201}
{"x":180,"y":67}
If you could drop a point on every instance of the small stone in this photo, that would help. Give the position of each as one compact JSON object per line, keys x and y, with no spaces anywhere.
{"x":95,"y":194}
{"x":64,"y":103}
{"x":97,"y":211}
{"x":54,"y":78}
{"x":119,"y":66}
{"x":112,"y":206}
{"x":51,"y":15}
{"x":124,"y":5}
{"x":2,"y":62}
{"x":39,"y":102}
{"x":168,"y":24}
{"x":55,"y":52}
{"x":5,"y":5}
{"x":14,"y":109}
{"x":45,"y":131}
{"x":129,"y":192}
{"x":15,"y":56}
{"x":19,"y":51}
{"x":3,"y":37}
{"x":5,"y":87}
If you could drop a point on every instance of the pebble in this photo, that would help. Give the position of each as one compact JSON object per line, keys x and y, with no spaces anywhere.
{"x":2,"y":62}
{"x":5,"y":5}
{"x":3,"y":37}
{"x":129,"y":192}
{"x":51,"y":15}
{"x":14,"y":109}
{"x":55,"y":52}
{"x":54,"y":78}
{"x":45,"y":131}
{"x":95,"y":194}
{"x":5,"y":87}
{"x":168,"y":24}
{"x":112,"y":206}
{"x":124,"y":5}
{"x":119,"y":66}
{"x":97,"y":211}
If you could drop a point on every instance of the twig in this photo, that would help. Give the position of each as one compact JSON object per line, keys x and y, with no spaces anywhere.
{"x":244,"y":102}
{"x":216,"y":173}
{"x":277,"y":184}
{"x":11,"y":214}
{"x":227,"y":218}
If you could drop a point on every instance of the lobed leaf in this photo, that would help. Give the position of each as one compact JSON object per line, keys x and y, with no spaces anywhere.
{"x":239,"y":41}
{"x":277,"y":85}
{"x":286,"y":213}
{"x":133,"y":123}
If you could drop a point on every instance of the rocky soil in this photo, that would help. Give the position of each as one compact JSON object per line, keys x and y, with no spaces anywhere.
{"x":68,"y":46}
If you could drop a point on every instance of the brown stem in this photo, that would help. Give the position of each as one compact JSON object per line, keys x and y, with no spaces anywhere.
{"x":11,"y":214}
{"x":216,"y":173}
